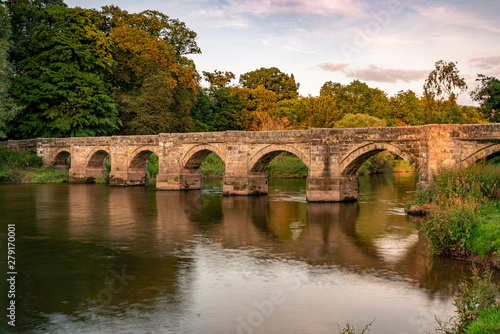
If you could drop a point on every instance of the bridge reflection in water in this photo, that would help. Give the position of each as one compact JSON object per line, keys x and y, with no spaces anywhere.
{"x":193,"y":262}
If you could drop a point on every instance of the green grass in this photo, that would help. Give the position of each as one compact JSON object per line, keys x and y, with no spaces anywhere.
{"x":283,"y":166}
{"x":488,"y":322}
{"x":486,"y":234}
{"x":213,"y":166}
{"x":467,"y":216}
{"x":44,"y":175}
{"x":287,"y":165}
{"x":24,"y":167}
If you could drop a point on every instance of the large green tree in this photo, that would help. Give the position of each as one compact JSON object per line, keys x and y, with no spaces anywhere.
{"x":8,"y":109}
{"x":155,"y":85}
{"x":488,"y":96}
{"x":282,"y":84}
{"x":406,"y":109}
{"x":61,"y":78}
{"x":358,"y":98}
{"x":218,"y":107}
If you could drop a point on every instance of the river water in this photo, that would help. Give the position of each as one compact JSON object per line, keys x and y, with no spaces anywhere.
{"x":97,"y":259}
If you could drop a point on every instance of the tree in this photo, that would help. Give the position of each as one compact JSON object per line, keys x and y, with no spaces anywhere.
{"x":61,"y":78}
{"x":283,"y":85}
{"x":444,"y":81}
{"x":318,"y":112}
{"x":360,"y":121}
{"x":8,"y":109}
{"x":257,"y":103}
{"x":147,"y":110}
{"x":358,"y":98}
{"x":172,"y":31}
{"x":26,"y":16}
{"x":217,"y":109}
{"x":406,"y":109}
{"x":488,"y":96}
{"x":150,"y":71}
{"x":218,"y":79}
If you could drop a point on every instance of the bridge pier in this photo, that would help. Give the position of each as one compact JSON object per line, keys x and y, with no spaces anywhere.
{"x":245,"y":185}
{"x":179,"y":181}
{"x":330,"y":189}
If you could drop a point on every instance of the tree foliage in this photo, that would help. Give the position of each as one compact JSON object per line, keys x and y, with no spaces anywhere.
{"x":360,"y":121}
{"x":406,"y":109}
{"x":217,"y":109}
{"x":488,"y":96}
{"x":8,"y":108}
{"x":218,"y":79}
{"x":444,"y":81}
{"x":358,"y":98}
{"x":155,"y":86}
{"x":62,"y":81}
{"x":282,"y":84}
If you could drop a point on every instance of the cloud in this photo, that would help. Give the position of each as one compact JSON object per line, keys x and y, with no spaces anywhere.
{"x":375,"y":73}
{"x":286,"y":47}
{"x":331,"y":67}
{"x":265,"y":8}
{"x":453,"y":16}
{"x":486,"y":63}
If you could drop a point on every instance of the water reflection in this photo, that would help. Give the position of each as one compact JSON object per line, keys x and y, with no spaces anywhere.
{"x":95,"y":259}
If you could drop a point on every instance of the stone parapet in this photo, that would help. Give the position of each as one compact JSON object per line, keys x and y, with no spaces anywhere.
{"x":332,"y":155}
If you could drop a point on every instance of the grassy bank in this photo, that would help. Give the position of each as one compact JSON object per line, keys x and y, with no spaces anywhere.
{"x":465,"y":210}
{"x":463,"y":220}
{"x":25,"y":167}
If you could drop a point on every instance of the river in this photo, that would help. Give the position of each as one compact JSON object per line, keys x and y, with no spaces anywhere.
{"x":97,"y":259}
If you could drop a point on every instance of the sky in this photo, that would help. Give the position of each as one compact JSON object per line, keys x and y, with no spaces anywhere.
{"x":391,"y":45}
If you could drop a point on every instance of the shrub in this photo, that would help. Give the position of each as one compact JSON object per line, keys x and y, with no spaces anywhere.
{"x":153,"y":166}
{"x":475,"y":297}
{"x":449,"y":228}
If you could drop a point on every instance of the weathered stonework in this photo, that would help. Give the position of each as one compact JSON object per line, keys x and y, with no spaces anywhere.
{"x":332,"y":155}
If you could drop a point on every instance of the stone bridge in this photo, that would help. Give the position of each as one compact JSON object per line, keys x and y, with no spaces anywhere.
{"x":332,"y":155}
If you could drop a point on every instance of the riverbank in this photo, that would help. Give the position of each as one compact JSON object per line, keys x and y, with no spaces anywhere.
{"x":462,"y":209}
{"x":462,"y":220}
{"x":24,"y":167}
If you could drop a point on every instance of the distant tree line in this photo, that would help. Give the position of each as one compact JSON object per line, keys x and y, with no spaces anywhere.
{"x":83,"y":72}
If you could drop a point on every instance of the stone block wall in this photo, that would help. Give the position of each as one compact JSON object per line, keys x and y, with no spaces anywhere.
{"x":332,"y":155}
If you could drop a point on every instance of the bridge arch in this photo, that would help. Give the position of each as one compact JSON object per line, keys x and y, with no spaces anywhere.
{"x":357,"y":156}
{"x":261,"y":160}
{"x":194,"y":157}
{"x":97,"y":157}
{"x":485,"y":153}
{"x":62,"y":159}
{"x":139,"y":157}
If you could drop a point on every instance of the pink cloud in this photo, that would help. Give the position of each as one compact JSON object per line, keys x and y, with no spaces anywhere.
{"x":331,"y":67}
{"x":377,"y":74}
{"x":486,"y":62}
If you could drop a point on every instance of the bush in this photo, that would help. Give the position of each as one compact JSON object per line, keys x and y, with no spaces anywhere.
{"x":479,"y":182}
{"x":153,"y":166}
{"x":476,"y":297}
{"x":213,"y":166}
{"x":449,"y":228}
{"x":460,"y":193}
{"x":7,"y":175}
{"x":287,"y":165}
{"x":380,"y":163}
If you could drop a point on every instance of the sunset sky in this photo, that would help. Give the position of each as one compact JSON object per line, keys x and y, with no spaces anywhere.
{"x":392,"y":44}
